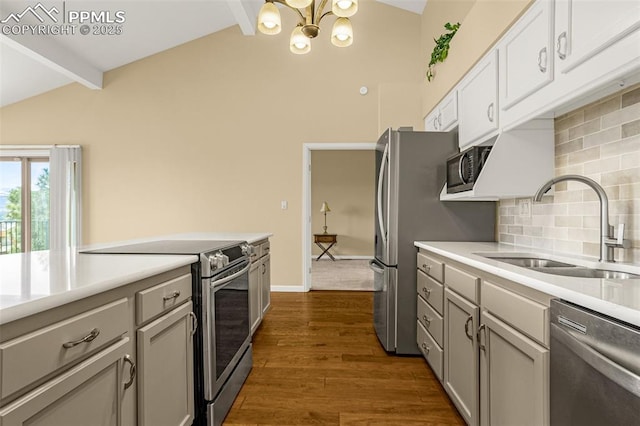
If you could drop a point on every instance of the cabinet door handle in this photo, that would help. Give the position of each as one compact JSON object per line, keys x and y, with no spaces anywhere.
{"x":562,"y":53}
{"x":132,"y":371}
{"x":194,"y":323}
{"x":173,"y":295}
{"x":264,"y":268}
{"x":426,"y":348}
{"x":541,"y":67}
{"x":426,"y":291}
{"x":466,"y":327}
{"x":481,"y":329}
{"x":86,"y":339}
{"x":435,"y":123}
{"x":490,"y":112}
{"x":426,"y":320}
{"x":439,"y":121}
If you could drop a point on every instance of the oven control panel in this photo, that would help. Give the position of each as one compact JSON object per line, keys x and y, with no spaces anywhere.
{"x":218,"y":260}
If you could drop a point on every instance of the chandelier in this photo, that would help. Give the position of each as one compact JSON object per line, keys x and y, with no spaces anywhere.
{"x":309,"y":25}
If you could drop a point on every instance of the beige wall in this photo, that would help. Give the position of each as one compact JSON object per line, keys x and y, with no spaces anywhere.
{"x":208,"y":136}
{"x":346,"y":181}
{"x":600,"y":141}
{"x":482,"y":23}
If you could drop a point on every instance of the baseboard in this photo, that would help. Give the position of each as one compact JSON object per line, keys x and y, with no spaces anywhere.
{"x":288,"y":288}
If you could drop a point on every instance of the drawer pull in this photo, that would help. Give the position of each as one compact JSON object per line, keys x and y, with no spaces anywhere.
{"x":541,"y":54}
{"x":426,"y":291}
{"x":426,"y":320}
{"x":86,"y":339}
{"x":562,"y":51}
{"x":426,"y":348}
{"x":481,"y":329}
{"x":173,"y":295}
{"x":132,"y":371}
{"x":426,"y":267}
{"x":466,"y":328}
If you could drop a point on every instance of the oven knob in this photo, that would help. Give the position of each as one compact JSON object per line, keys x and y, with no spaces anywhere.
{"x":247,"y":249}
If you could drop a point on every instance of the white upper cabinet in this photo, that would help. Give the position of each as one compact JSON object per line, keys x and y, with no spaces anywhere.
{"x":526,"y":55}
{"x":444,"y":116}
{"x":585,"y":28}
{"x":479,"y":101}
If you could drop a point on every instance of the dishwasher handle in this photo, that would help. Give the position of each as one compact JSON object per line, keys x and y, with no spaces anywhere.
{"x":614,"y":372}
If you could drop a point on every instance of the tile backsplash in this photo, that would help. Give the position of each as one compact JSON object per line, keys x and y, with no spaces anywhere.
{"x":600,"y":141}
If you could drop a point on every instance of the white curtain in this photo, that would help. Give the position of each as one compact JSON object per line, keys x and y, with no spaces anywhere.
{"x":65,"y":186}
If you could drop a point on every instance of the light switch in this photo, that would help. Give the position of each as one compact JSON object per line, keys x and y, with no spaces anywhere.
{"x":284,"y":204}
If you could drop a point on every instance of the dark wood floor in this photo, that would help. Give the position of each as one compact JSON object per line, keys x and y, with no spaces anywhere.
{"x":317,"y":361}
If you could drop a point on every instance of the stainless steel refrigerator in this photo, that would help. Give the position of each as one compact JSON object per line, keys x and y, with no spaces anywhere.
{"x":410,"y":173}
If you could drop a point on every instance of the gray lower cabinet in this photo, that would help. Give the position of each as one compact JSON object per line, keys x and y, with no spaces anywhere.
{"x":513,"y":376}
{"x":265,"y":284}
{"x":123,"y":357}
{"x":90,"y":393}
{"x":165,"y":366}
{"x":496,"y":339}
{"x":259,"y":284}
{"x":255,"y":293}
{"x":461,"y":370}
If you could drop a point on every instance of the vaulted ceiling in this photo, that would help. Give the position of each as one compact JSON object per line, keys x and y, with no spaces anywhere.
{"x":30,"y":65}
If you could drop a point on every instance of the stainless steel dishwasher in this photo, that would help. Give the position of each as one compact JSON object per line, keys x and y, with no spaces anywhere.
{"x":595,"y":368}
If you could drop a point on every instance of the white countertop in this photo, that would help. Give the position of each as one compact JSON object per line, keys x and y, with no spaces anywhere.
{"x":616,"y":298}
{"x":41,"y":280}
{"x":250,"y":237}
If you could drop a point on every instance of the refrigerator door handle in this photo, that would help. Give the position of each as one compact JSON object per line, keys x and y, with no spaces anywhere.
{"x":373,"y":265}
{"x":383,"y":165}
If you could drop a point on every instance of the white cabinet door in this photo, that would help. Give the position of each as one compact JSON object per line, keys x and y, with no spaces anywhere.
{"x":478,"y":101}
{"x":265,"y":284}
{"x":90,"y":393}
{"x":448,"y":117}
{"x":431,"y":121}
{"x":585,"y":28}
{"x":461,"y":373}
{"x":514,"y":374}
{"x":165,"y":366}
{"x":255,"y":293}
{"x":526,"y":55}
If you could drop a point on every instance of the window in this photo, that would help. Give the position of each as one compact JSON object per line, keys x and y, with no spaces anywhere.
{"x":24,"y":204}
{"x":40,"y":198}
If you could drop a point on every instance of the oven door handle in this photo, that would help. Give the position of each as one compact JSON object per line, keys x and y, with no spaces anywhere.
{"x":220,"y":283}
{"x":614,"y":372}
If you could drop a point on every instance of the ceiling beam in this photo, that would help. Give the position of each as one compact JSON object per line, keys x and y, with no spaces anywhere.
{"x":48,"y":52}
{"x":246,"y":14}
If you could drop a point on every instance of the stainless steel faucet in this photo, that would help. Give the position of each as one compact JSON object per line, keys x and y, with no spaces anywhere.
{"x":607,"y":240}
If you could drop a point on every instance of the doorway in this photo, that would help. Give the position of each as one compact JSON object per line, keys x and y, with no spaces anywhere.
{"x":338,"y":174}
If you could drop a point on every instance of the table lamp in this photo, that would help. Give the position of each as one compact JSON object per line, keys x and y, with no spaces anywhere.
{"x":324,"y":209}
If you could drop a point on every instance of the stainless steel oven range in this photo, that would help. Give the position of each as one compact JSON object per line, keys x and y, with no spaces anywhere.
{"x":222,"y":343}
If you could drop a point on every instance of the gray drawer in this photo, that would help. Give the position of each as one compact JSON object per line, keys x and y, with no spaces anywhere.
{"x":431,"y":290}
{"x":430,"y":350}
{"x":431,"y":320}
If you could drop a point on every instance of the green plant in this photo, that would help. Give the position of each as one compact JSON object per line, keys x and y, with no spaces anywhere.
{"x":441,"y":49}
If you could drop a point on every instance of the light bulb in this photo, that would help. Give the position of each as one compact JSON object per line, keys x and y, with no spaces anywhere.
{"x":342,"y":33}
{"x":300,"y":44}
{"x":299,"y":4}
{"x":344,"y":8}
{"x":269,"y":19}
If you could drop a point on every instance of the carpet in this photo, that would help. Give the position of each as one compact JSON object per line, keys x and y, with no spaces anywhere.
{"x":341,"y":275}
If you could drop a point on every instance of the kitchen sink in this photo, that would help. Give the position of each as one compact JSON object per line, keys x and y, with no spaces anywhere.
{"x":582,"y":272}
{"x":548,"y":266}
{"x":531,"y":262}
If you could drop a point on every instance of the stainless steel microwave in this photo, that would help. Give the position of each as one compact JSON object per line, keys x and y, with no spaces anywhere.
{"x":464,"y":168}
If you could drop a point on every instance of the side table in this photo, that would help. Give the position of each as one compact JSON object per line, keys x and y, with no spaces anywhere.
{"x":320,"y":239}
